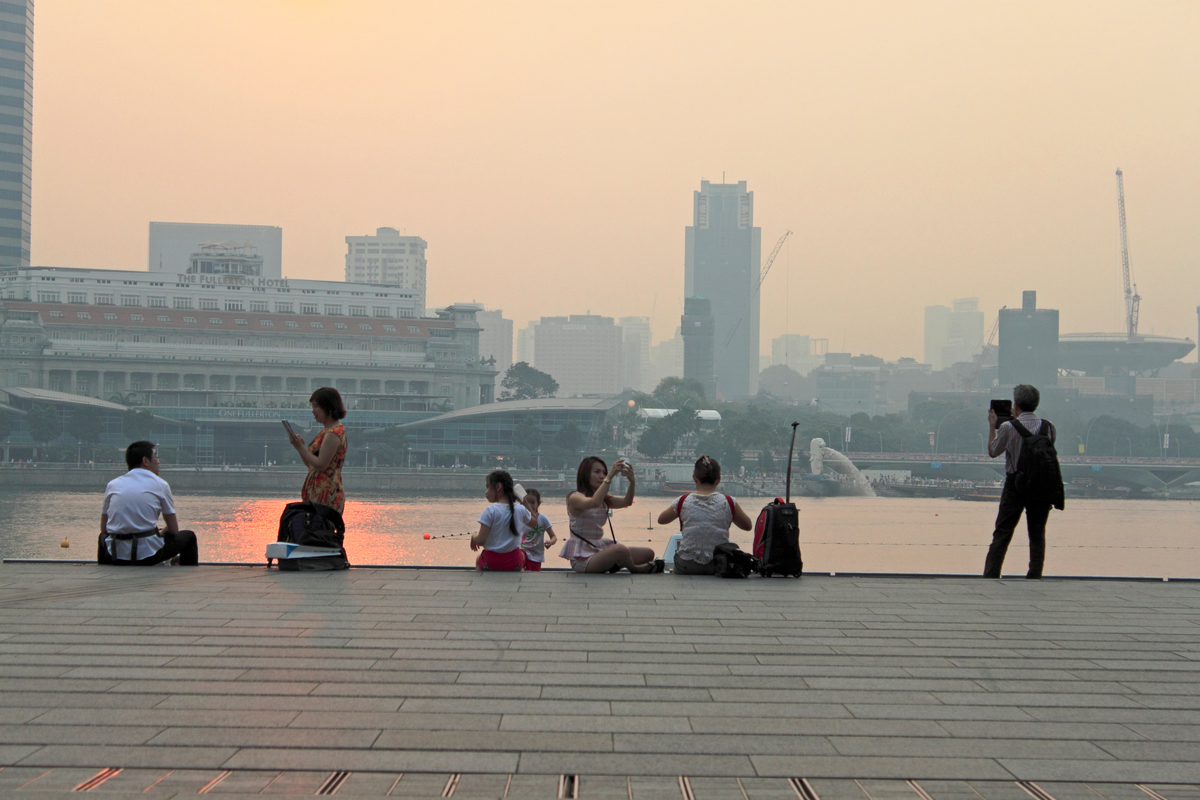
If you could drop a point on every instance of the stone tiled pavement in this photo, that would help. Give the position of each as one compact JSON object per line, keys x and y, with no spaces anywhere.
{"x":438,"y":683}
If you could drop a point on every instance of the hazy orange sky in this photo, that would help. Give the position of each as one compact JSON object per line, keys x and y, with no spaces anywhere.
{"x":548,"y":151}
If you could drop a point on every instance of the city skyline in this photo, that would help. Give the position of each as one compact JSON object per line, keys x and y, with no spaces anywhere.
{"x":957,"y":151}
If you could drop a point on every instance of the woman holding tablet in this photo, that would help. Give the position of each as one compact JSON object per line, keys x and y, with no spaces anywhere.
{"x":326,"y":453}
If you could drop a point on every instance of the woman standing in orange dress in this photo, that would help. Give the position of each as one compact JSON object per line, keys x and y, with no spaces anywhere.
{"x":327,"y":452}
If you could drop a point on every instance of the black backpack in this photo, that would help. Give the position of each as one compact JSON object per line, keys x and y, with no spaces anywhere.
{"x":1039,"y":478}
{"x":730,"y":562}
{"x":777,"y":539}
{"x":315,"y":525}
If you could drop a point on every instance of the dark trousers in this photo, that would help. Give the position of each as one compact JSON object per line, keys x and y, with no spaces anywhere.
{"x":182,"y":544}
{"x":1011,"y":506}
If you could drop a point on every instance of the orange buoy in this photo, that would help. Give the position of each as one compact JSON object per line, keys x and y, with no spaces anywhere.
{"x":427,"y":536}
{"x":64,"y":543}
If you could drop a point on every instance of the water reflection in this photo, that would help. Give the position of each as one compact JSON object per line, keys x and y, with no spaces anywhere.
{"x":1093,"y":537}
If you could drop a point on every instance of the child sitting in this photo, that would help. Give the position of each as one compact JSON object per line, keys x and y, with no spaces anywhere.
{"x":501,"y":526}
{"x":535,"y":539}
{"x":704,"y":519}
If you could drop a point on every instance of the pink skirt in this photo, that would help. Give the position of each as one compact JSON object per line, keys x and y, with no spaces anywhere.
{"x":491,"y":561}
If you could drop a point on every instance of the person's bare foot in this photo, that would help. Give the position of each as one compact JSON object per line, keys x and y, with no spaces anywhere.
{"x":175,"y":561}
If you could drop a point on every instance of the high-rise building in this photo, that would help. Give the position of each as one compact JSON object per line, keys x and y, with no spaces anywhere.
{"x":16,"y":130}
{"x":527,"y":343}
{"x":582,"y":352}
{"x":697,"y":327}
{"x":722,"y":254}
{"x":496,"y":339}
{"x":387,"y":258}
{"x":796,"y":352}
{"x":953,"y":335}
{"x":666,"y":358}
{"x":635,"y":337}
{"x":250,"y":252}
{"x":1028,"y":344}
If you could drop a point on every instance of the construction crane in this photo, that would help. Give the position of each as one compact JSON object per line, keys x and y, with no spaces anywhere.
{"x":1132,"y":299}
{"x":766,"y":267}
{"x":968,"y":382}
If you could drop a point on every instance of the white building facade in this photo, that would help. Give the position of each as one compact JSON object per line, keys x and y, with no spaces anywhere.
{"x":583,"y":352}
{"x":388,"y":259}
{"x":496,"y":339}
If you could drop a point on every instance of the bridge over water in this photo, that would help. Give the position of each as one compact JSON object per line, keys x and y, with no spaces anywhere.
{"x":1151,"y":473}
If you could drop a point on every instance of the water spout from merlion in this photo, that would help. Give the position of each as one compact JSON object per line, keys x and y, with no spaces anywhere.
{"x":826,"y":460}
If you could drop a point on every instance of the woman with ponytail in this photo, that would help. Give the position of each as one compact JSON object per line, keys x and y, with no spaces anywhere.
{"x":501,"y":527}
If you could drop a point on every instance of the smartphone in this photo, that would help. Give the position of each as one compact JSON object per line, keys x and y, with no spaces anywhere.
{"x":288,"y":427}
{"x":1003,"y":409}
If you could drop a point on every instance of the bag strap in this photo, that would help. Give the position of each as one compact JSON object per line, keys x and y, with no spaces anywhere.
{"x":732,"y":505}
{"x":679,"y":508}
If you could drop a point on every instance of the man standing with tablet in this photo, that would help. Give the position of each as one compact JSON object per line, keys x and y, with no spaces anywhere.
{"x":132,"y":505}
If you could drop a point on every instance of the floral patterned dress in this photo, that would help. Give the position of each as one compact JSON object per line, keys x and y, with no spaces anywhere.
{"x":326,"y":487}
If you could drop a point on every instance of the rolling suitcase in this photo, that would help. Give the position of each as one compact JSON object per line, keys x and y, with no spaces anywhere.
{"x":777,"y":531}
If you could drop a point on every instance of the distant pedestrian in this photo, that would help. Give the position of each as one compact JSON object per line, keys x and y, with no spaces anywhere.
{"x":1027,"y":486}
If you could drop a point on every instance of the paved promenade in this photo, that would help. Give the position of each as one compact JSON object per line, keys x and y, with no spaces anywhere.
{"x":171,"y":681}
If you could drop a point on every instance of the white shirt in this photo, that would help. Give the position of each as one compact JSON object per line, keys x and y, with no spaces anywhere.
{"x":133,"y":503}
{"x":500,"y":539}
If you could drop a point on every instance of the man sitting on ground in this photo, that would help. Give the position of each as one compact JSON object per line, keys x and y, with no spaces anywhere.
{"x":128,"y":522}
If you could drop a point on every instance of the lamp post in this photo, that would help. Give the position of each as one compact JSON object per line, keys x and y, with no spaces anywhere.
{"x":264,"y":455}
{"x":1166,"y":442}
{"x":880,"y":442}
{"x":367,"y":462}
{"x":982,"y":443}
{"x":937,"y":436}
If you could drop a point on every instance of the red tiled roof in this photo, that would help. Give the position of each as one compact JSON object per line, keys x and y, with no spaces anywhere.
{"x":175,"y":320}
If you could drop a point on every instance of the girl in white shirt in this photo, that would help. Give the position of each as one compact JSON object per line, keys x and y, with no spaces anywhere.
{"x":501,"y":527}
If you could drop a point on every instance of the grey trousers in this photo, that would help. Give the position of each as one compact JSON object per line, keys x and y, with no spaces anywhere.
{"x":684,"y":566}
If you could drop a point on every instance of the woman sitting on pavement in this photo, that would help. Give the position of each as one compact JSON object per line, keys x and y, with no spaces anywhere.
{"x":704,"y":519}
{"x":587,"y":512}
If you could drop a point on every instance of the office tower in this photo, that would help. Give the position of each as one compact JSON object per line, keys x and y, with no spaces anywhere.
{"x":635,"y":337}
{"x":582,"y":352}
{"x":16,"y":130}
{"x":527,"y":343}
{"x":722,"y":256}
{"x":937,"y":325}
{"x":953,"y":335}
{"x":496,"y":339}
{"x":666,"y":358}
{"x":796,"y":352}
{"x":1029,"y":344}
{"x":698,"y":357}
{"x":389,"y":259}
{"x":201,"y":248}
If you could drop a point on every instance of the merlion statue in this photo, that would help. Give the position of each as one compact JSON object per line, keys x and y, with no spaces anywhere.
{"x":816,"y":456}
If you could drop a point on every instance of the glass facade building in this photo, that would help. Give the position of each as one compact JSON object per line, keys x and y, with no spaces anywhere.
{"x":16,"y":129}
{"x":722,"y":254}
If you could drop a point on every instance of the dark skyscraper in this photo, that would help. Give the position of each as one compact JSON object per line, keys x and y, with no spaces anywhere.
{"x":697,"y":329}
{"x":16,"y":129}
{"x":1029,"y":344}
{"x":723,"y":251}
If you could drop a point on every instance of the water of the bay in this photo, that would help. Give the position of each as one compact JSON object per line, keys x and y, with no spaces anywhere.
{"x":1092,"y":537}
